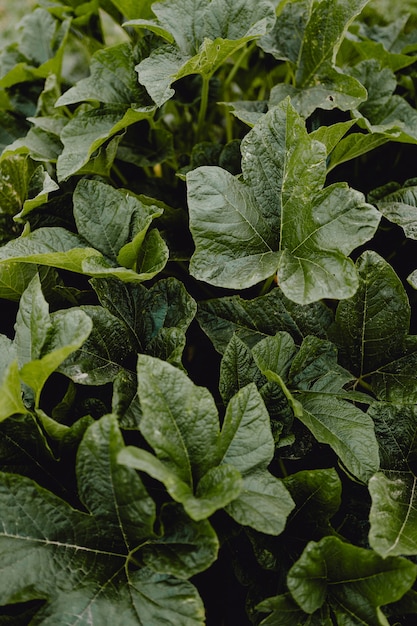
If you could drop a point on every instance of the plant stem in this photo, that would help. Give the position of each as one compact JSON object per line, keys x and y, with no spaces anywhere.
{"x":203,"y":106}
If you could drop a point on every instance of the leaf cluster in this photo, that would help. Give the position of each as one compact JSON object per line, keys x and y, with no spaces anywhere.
{"x":208,"y":224}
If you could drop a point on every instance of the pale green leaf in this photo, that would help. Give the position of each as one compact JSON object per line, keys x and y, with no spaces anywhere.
{"x":112,"y":79}
{"x":348,"y":430}
{"x":393,"y":514}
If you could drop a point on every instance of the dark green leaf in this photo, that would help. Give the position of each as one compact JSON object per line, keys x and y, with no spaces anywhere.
{"x":356,"y":582}
{"x":253,"y":320}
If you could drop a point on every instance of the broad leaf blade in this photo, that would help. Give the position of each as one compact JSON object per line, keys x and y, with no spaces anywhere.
{"x":348,"y":430}
{"x":371,"y":326}
{"x":253,"y":320}
{"x":393,"y":516}
{"x":234,"y":243}
{"x":354,"y":581}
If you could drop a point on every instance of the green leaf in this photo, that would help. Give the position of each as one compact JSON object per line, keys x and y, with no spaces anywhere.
{"x":238,"y":369}
{"x":253,"y":320}
{"x":11,"y":402}
{"x":179,"y":421}
{"x":205,"y":35}
{"x":44,"y":341}
{"x":286,"y":612}
{"x":89,"y":130}
{"x":214,"y":491}
{"x":185,"y":548}
{"x":147,"y":312}
{"x":398,"y":204}
{"x":354,"y":581}
{"x":317,"y":495}
{"x":104,"y":354}
{"x":383,"y":112}
{"x":308,"y":35}
{"x":393,"y":513}
{"x":247,"y":444}
{"x":263,"y":503}
{"x":112,"y":80}
{"x":54,"y":246}
{"x":371,"y":326}
{"x":113,"y":493}
{"x":348,"y":430}
{"x":393,"y":490}
{"x":235,"y":225}
{"x":132,"y":10}
{"x":323,"y":35}
{"x":109,"y":218}
{"x":55,"y":553}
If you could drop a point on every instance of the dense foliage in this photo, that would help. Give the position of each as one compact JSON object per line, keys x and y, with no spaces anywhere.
{"x":208,"y":274}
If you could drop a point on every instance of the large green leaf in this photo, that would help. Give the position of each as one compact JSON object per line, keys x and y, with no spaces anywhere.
{"x":279,"y":219}
{"x":78,"y":562}
{"x":354,"y":581}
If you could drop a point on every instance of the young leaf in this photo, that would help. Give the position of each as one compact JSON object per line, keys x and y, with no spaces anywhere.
{"x":279,"y":219}
{"x":44,"y":341}
{"x":246,"y":443}
{"x":113,"y":493}
{"x":354,"y":581}
{"x":238,"y":369}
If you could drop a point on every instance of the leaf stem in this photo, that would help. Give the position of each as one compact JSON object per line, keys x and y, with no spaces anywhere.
{"x":236,"y":66}
{"x":203,"y":106}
